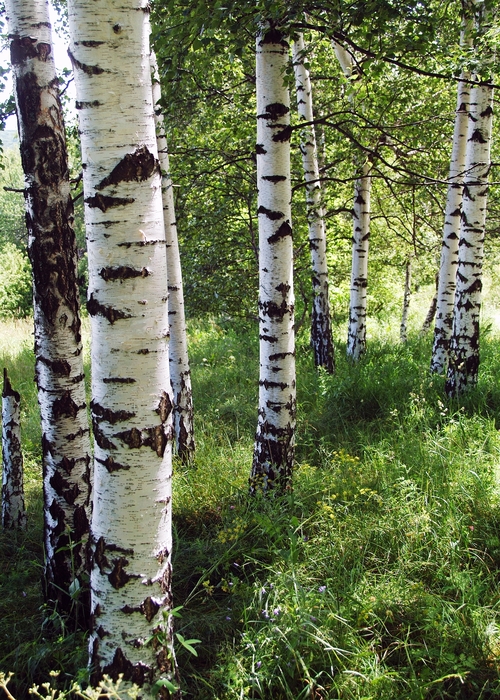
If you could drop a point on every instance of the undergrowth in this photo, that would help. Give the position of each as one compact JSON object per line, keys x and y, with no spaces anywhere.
{"x":375,"y":578}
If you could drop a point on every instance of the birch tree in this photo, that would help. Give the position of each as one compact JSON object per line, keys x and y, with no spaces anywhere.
{"x":452,"y":217}
{"x":58,"y":346}
{"x":180,"y":373}
{"x":321,"y":326}
{"x":274,"y":442}
{"x":13,"y":509}
{"x":131,"y":395}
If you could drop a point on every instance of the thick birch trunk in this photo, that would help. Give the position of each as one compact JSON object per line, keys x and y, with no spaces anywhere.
{"x":403,"y":329}
{"x":321,"y":326}
{"x":180,"y":373}
{"x":131,"y":394}
{"x":356,"y":334}
{"x":464,"y":344}
{"x":13,"y":510}
{"x":451,"y":234}
{"x":58,"y":347}
{"x":274,"y":442}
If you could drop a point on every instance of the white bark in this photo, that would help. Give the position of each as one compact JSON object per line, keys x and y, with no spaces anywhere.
{"x":451,"y":230}
{"x":131,"y":394}
{"x":403,"y":329}
{"x":13,"y":510}
{"x":464,"y":344}
{"x":180,"y":373}
{"x":356,"y":334}
{"x":274,"y":443}
{"x":321,"y":327}
{"x":58,"y":348}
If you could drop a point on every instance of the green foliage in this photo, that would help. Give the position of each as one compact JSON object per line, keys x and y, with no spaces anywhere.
{"x":16,"y":296}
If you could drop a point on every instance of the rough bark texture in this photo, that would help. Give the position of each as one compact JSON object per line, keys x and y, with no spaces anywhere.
{"x":180,"y":373}
{"x":13,"y":510}
{"x":131,"y":394}
{"x":321,"y":326}
{"x":463,"y":364}
{"x":58,"y":347}
{"x":274,"y":442}
{"x":403,"y":329}
{"x":451,"y":229}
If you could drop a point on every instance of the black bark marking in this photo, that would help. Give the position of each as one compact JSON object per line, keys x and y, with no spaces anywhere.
{"x":64,"y":406}
{"x":104,"y":203}
{"x":273,"y":215}
{"x":487,"y":112}
{"x":131,"y":437}
{"x":260,"y":150}
{"x":101,"y":439}
{"x":111,"y":464}
{"x":274,"y":178}
{"x":140,"y":244}
{"x":284,"y":230}
{"x":477,"y":136}
{"x":164,"y":407}
{"x":7,"y":388}
{"x":87,"y":105}
{"x":90,"y":70}
{"x":95,"y":308}
{"x":274,"y":111}
{"x":137,"y":166}
{"x":63,"y":488}
{"x":273,"y":385}
{"x":108,"y":415}
{"x":118,"y":576}
{"x":284,"y":289}
{"x":136,"y":673}
{"x":268,"y":338}
{"x":274,"y":36}
{"x":149,"y":608}
{"x":156,"y":439}
{"x":119,"y":380}
{"x":123,"y":272}
{"x":283,"y":135}
{"x":144,"y":351}
{"x":273,"y":310}
{"x":22,"y":49}
{"x":281,"y":356}
{"x":91,"y":44}
{"x":99,"y":555}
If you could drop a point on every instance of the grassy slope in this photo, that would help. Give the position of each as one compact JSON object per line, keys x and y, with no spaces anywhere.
{"x":375,"y":578}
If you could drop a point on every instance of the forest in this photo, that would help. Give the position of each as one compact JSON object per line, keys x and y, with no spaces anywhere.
{"x":250,"y":320}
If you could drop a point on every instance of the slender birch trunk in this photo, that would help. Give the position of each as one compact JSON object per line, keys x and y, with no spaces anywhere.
{"x":464,"y":344}
{"x":451,"y":231}
{"x":180,"y":373}
{"x":58,"y":346}
{"x":321,"y":325}
{"x":431,"y":313}
{"x":274,"y":442}
{"x":13,"y":509}
{"x":131,"y":393}
{"x":403,"y":329}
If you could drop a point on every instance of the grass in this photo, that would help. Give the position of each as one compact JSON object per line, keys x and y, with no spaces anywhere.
{"x":375,"y":578}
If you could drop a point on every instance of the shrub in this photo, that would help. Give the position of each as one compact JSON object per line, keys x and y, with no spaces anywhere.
{"x":16,"y":296}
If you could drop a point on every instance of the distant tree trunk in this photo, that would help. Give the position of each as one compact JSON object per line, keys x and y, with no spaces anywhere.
{"x":451,"y":231}
{"x":180,"y":374}
{"x":431,"y":313}
{"x":13,"y":510}
{"x":463,"y":364}
{"x":274,"y":442}
{"x":58,"y":346}
{"x":321,"y":326}
{"x":356,"y":334}
{"x":131,"y":393}
{"x":403,"y":331}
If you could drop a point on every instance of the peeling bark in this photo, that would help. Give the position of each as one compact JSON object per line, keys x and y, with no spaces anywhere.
{"x":321,"y":326}
{"x":131,"y":394}
{"x":58,"y":349}
{"x":13,"y":509}
{"x":180,"y":373}
{"x":275,"y":437}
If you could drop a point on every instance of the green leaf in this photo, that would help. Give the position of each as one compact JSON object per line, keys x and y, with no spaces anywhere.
{"x":187,"y":643}
{"x":164,"y":683}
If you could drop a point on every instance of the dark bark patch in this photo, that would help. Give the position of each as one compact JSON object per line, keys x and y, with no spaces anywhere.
{"x":164,"y":407}
{"x":81,"y":524}
{"x":156,"y":440}
{"x":268,"y":338}
{"x":131,"y":437}
{"x":280,"y":356}
{"x":64,"y":406}
{"x":137,"y":166}
{"x":104,"y":203}
{"x":274,"y":111}
{"x":111,"y":464}
{"x":123,"y":272}
{"x":118,"y":576}
{"x":63,"y":488}
{"x":284,"y":230}
{"x":92,"y":44}
{"x":274,"y":178}
{"x":136,"y":673}
{"x":273,"y":310}
{"x":274,"y":36}
{"x":273,"y":385}
{"x":273,"y":215}
{"x":477,"y":136}
{"x":66,"y":464}
{"x":95,"y":308}
{"x":119,"y":380}
{"x":144,"y":351}
{"x":99,"y":555}
{"x":260,"y":150}
{"x":101,"y":439}
{"x":487,"y":112}
{"x":283,"y":135}
{"x":108,"y":415}
{"x":22,"y":49}
{"x":87,"y":105}
{"x":149,"y":608}
{"x":7,"y":387}
{"x":284,"y":289}
{"x":90,"y":70}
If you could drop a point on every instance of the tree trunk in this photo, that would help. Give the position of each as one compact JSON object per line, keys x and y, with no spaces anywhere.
{"x":321,"y":326}
{"x":131,"y":393}
{"x":356,"y":334}
{"x":180,"y":374}
{"x":431,"y":313}
{"x":403,"y":330}
{"x":274,"y":442}
{"x":463,"y":364}
{"x":13,"y":510}
{"x":451,"y":230}
{"x":58,"y":347}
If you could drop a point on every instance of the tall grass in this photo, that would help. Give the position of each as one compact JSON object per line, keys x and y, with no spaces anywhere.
{"x":375,"y":578}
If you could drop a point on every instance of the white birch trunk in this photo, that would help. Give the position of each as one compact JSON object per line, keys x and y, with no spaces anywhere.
{"x":464,"y":344}
{"x":180,"y":373}
{"x":274,"y":442}
{"x":403,"y":329}
{"x":131,"y":394}
{"x":356,"y":333}
{"x":13,"y":509}
{"x":321,"y":327}
{"x":451,"y":234}
{"x":58,"y":347}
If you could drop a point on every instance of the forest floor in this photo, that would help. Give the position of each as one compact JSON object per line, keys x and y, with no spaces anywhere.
{"x":376,"y":577}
